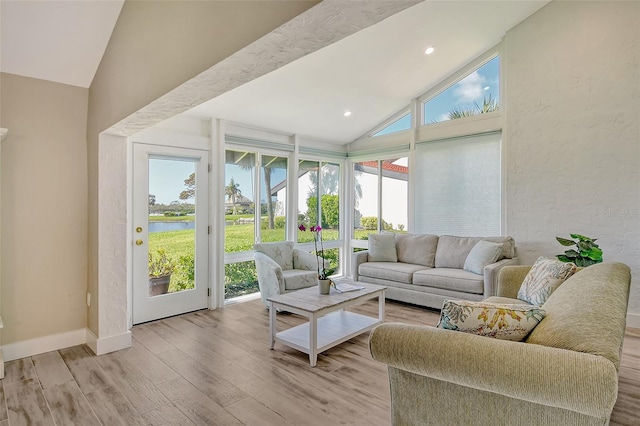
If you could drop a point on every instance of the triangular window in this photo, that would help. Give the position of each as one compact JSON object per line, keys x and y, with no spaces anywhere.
{"x":402,"y":123}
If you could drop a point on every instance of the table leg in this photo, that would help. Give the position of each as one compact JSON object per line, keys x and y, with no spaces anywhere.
{"x":381,"y":307}
{"x":272,"y":324}
{"x":313,"y":340}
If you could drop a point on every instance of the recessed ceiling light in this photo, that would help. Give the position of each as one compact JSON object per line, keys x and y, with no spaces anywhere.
{"x":429,"y":50}
{"x":347,"y":113}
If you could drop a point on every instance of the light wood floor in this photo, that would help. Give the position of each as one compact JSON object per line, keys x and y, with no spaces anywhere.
{"x":215,"y":368}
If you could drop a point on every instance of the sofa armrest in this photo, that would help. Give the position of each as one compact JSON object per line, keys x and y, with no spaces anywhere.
{"x":570,"y":380}
{"x":357,"y":259}
{"x":308,"y":261}
{"x":270,"y":278}
{"x":491,"y":273}
{"x":510,"y":279}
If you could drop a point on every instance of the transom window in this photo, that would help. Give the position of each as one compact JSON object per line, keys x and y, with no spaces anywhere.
{"x":477,"y":93}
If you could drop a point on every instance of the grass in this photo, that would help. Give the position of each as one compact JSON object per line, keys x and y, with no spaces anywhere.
{"x":187,"y":218}
{"x":240,"y":278}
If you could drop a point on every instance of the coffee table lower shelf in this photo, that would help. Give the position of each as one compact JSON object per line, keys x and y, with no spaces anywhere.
{"x":333,"y":329}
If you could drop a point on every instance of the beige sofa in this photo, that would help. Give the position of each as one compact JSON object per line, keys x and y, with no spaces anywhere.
{"x":564,"y":373}
{"x":430,"y":269}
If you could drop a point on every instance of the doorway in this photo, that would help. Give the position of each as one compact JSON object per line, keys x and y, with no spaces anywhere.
{"x":170,"y":231}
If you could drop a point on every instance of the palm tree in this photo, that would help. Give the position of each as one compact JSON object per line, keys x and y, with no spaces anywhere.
{"x":232,"y":190}
{"x":488,"y":105}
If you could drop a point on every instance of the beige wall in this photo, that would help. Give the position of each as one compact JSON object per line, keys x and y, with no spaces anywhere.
{"x":572,"y":139}
{"x":44,"y":204}
{"x":155,"y":47}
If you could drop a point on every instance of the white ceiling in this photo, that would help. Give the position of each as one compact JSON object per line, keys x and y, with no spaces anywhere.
{"x":373,"y":73}
{"x":61,"y":41}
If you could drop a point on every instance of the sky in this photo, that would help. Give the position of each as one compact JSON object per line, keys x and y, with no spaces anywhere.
{"x":166,"y":178}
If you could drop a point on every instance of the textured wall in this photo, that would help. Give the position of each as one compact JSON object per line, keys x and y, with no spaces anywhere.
{"x":155,"y":47}
{"x":44,"y":205}
{"x":572,"y":135}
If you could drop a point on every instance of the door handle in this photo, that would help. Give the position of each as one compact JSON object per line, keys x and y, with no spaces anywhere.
{"x":139,"y":242}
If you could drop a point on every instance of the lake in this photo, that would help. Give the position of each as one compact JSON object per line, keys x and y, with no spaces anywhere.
{"x":170,"y":226}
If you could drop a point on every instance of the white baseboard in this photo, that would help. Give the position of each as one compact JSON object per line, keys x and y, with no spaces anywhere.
{"x":633,"y":320}
{"x":108,"y":344}
{"x":43,"y":344}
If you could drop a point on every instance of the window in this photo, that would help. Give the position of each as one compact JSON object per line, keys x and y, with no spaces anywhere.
{"x":273,"y":198}
{"x":459,"y":190}
{"x":402,"y":123}
{"x":239,"y":201}
{"x":380,"y":194}
{"x":323,"y":180}
{"x":477,"y":93}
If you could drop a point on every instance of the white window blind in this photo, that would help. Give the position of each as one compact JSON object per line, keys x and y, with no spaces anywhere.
{"x":458,"y":189}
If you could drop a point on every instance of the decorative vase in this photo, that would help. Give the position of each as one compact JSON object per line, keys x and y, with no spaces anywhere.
{"x":324,"y":286}
{"x":158,"y":286}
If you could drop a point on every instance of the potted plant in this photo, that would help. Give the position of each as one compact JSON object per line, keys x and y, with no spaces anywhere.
{"x":324,"y":283}
{"x":586,"y":253}
{"x":161,"y":266}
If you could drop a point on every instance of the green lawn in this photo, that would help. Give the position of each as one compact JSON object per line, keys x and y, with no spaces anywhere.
{"x":239,"y":278}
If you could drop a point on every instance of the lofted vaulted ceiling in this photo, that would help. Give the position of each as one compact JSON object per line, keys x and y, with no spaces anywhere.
{"x":373,"y":73}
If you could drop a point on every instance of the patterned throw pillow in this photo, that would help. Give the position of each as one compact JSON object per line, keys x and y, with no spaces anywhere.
{"x":544,"y":278}
{"x":382,"y":248}
{"x":501,"y":321}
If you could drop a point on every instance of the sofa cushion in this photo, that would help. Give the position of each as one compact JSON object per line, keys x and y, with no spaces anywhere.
{"x":399,"y":272}
{"x":482,"y":254}
{"x":452,"y":251}
{"x":295,"y":279}
{"x":281,"y":252}
{"x":544,"y":277}
{"x":506,"y":322}
{"x":382,"y":248}
{"x":450,"y":279}
{"x":417,"y":249}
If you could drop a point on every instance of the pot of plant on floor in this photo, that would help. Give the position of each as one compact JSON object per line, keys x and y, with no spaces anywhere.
{"x":161,"y":266}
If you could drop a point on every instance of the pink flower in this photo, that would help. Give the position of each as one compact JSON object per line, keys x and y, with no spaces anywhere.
{"x":302,"y":227}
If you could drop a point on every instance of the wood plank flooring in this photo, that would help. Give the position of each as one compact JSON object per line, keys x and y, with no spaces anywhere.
{"x":215,"y":368}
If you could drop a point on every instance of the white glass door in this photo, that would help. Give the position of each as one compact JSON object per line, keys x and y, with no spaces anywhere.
{"x":170,"y":231}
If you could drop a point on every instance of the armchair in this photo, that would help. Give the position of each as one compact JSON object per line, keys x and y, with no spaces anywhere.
{"x":282,"y":268}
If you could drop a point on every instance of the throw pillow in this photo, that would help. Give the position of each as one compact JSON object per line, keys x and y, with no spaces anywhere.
{"x":382,"y":248}
{"x":544,"y":278}
{"x":482,"y":254}
{"x":501,"y":321}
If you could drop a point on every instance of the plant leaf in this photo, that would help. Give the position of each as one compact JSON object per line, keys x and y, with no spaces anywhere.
{"x":563,"y":258}
{"x":580,"y":237}
{"x":565,"y":242}
{"x":572,"y":254}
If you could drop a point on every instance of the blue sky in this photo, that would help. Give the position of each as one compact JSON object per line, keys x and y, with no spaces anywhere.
{"x":166,"y":179}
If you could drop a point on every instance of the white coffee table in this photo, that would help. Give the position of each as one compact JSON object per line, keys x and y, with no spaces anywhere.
{"x":329,"y":324}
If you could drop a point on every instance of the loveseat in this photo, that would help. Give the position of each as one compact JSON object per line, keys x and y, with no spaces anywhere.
{"x":565,"y":372}
{"x":430,"y":269}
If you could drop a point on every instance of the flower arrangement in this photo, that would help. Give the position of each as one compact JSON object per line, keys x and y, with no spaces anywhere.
{"x":323,"y":273}
{"x":160,"y":264}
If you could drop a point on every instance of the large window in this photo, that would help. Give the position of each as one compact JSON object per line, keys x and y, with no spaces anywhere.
{"x":477,"y":93}
{"x":402,"y":123}
{"x":239,"y":201}
{"x":319,"y":180}
{"x":380,"y":196}
{"x":459,"y":191}
{"x":273,"y":199}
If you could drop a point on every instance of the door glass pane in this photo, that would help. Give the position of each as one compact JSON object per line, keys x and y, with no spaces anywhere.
{"x":365,"y":199}
{"x":239,"y":232}
{"x":172,"y":190}
{"x":273,"y":198}
{"x":395,"y":193}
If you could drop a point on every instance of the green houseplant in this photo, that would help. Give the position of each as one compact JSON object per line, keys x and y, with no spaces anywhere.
{"x":586,"y":252}
{"x":161,"y":266}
